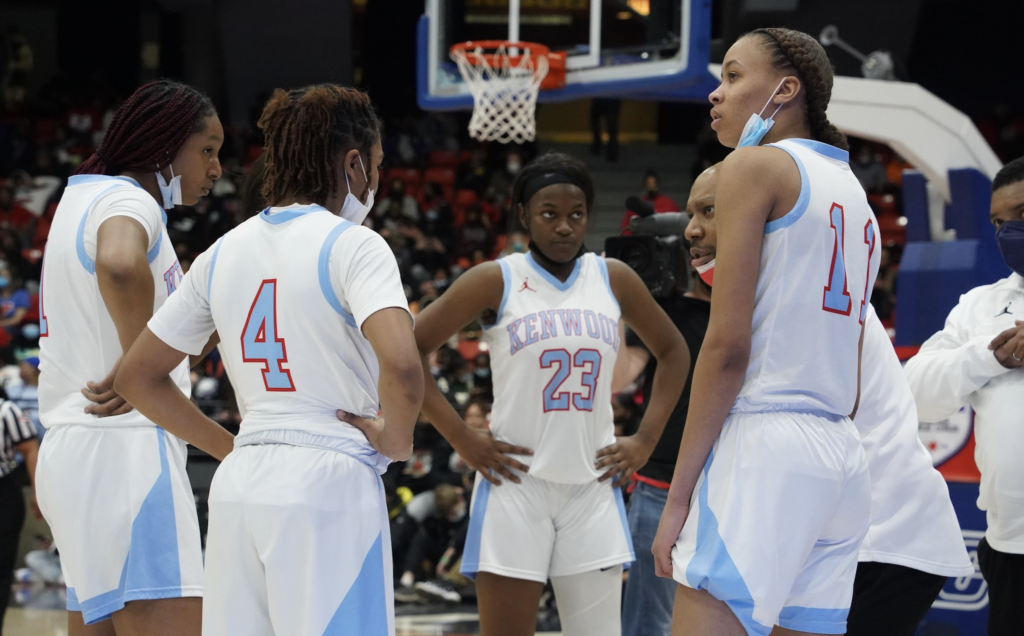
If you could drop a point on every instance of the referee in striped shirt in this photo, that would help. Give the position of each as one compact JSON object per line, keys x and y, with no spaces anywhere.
{"x":17,"y":435}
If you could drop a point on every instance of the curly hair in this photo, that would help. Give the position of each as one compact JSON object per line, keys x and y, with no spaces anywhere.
{"x":305,"y":130}
{"x":797,"y":52}
{"x":149,"y":129}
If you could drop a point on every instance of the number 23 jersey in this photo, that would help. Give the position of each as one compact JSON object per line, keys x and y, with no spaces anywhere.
{"x":552,"y":350}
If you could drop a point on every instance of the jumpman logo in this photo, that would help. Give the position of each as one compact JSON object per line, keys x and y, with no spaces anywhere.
{"x":1006,"y":310}
{"x":526,"y":286}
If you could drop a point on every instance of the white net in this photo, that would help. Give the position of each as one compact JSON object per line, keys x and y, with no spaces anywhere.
{"x":504,"y":89}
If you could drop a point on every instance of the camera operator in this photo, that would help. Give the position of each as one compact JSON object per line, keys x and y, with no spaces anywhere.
{"x":647,"y":605}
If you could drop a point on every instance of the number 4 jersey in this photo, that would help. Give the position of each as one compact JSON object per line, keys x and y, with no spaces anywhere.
{"x":552,"y":350}
{"x":818,"y":265}
{"x":288,"y":292}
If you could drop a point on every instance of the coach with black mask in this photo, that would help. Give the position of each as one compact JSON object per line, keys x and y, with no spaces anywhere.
{"x":976,"y":360}
{"x":647,"y":601}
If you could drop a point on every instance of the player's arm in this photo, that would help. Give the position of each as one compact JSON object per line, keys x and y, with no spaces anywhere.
{"x":951,"y":366}
{"x":400,"y":386}
{"x":749,"y":184}
{"x":470,"y":295}
{"x":195,"y":361}
{"x":126,"y":286}
{"x":143,"y":379}
{"x":630,"y":362}
{"x":182,"y":327}
{"x":666,"y":344}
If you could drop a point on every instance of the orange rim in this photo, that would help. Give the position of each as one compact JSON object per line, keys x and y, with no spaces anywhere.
{"x":469,"y":49}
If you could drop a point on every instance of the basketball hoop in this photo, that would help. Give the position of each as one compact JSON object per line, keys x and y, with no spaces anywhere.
{"x":504,"y":78}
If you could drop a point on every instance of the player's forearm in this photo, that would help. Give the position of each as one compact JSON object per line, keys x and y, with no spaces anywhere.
{"x":401,"y":395}
{"x":438,"y":410}
{"x":162,"y":402}
{"x":716,"y":383}
{"x":669,"y":380}
{"x":126,"y":286}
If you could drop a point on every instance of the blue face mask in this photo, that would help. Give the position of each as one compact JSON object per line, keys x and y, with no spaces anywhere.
{"x":1010,"y":239}
{"x":757,"y":128}
{"x":4,"y":282}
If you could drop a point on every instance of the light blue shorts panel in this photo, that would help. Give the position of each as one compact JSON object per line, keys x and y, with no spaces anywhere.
{"x":123,"y":516}
{"x":776,"y":521}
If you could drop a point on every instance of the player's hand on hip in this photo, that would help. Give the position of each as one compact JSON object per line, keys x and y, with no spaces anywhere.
{"x":374,"y":431}
{"x":1008,"y":346}
{"x":623,"y":458}
{"x":671,"y":524}
{"x":479,"y":449}
{"x":105,"y":400}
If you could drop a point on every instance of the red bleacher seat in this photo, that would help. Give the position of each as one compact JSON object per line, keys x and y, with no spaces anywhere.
{"x":440,"y":176}
{"x":444,"y":159}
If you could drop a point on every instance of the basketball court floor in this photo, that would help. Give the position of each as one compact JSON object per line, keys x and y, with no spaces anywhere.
{"x":39,"y":611}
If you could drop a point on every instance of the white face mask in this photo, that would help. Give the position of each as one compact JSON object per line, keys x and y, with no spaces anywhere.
{"x":756,"y":128}
{"x":171,"y":192}
{"x":707,"y":272}
{"x":353,"y":209}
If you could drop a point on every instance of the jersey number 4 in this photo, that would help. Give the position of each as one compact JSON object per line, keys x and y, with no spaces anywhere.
{"x":837,"y":293}
{"x":554,"y":400}
{"x":262,"y":344}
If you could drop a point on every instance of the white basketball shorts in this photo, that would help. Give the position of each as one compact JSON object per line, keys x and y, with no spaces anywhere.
{"x":539,"y":529}
{"x":299,"y":544}
{"x":122,"y":514}
{"x":776,"y":521}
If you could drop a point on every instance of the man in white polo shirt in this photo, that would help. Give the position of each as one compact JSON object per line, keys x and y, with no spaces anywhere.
{"x":976,"y":360}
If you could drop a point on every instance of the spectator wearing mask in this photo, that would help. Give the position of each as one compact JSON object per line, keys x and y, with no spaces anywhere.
{"x":429,"y":553}
{"x":474,"y":234}
{"x":398,"y":201}
{"x":976,"y":360}
{"x":437,"y":214}
{"x":14,"y":302}
{"x":651,"y":194}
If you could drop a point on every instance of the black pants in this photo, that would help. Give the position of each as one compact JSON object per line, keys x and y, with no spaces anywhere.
{"x":1004,"y":574}
{"x":608,"y":110}
{"x":890,"y":600}
{"x":12,"y":517}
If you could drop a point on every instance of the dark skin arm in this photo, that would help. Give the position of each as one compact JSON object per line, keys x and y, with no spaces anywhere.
{"x":126,"y":285}
{"x":195,"y":361}
{"x":30,"y":451}
{"x":400,"y":386}
{"x":754,"y":184}
{"x":143,"y":379}
{"x":666,"y":344}
{"x":473,"y":293}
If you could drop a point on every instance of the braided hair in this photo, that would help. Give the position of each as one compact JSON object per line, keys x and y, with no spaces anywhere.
{"x":305,"y":130}
{"x":797,"y":52}
{"x":149,"y":129}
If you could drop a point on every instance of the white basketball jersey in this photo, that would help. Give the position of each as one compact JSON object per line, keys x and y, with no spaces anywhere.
{"x":818,"y":265}
{"x":78,"y":341}
{"x":552,"y":350}
{"x":912,"y":519}
{"x":288,"y":291}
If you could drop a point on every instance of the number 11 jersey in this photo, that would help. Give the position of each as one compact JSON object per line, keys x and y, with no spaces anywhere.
{"x":818,"y":265}
{"x":553,"y":349}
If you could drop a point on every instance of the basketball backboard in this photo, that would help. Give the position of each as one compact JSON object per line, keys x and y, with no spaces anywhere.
{"x":614,"y":48}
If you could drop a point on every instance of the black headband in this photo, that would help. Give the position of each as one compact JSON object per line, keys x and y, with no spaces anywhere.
{"x":536,"y":183}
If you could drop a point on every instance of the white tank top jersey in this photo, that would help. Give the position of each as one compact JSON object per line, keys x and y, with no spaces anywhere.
{"x":78,"y":341}
{"x":288,"y":292}
{"x":553,"y":349}
{"x":818,"y":263}
{"x":913,"y":523}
